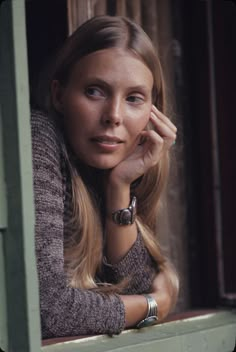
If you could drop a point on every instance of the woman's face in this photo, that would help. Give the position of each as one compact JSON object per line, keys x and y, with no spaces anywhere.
{"x":106,"y":104}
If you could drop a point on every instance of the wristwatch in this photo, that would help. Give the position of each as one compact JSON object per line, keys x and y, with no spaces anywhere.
{"x":152,"y":314}
{"x":126,"y":216}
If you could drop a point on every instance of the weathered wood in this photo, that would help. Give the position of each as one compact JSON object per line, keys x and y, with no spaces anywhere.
{"x":17,"y":241}
{"x":149,"y":19}
{"x":121,"y":7}
{"x":208,"y":333}
{"x":133,"y":8}
{"x":100,"y":7}
{"x":78,"y":12}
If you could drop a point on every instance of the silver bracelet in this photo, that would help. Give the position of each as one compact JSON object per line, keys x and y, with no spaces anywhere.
{"x":152,"y":313}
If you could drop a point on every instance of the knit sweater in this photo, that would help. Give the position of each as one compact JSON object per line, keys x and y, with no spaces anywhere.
{"x":68,"y":311}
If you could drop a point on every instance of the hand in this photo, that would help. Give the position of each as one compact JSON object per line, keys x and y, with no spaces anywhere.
{"x":150,"y":146}
{"x":165,"y":290}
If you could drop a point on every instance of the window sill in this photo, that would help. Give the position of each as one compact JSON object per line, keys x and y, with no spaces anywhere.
{"x":200,"y":331}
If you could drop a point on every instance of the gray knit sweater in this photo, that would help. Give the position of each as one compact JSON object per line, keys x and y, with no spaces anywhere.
{"x":66,"y":311}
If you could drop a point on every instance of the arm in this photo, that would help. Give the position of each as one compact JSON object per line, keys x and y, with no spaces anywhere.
{"x":126,"y":253}
{"x":66,"y":311}
{"x":121,"y":240}
{"x":144,"y":156}
{"x":164,"y":291}
{"x":137,"y":265}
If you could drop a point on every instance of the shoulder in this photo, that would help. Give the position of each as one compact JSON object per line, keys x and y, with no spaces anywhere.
{"x":42,"y":122}
{"x":46,"y":135}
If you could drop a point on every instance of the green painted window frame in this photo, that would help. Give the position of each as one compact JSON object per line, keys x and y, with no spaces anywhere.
{"x":19,"y":297}
{"x":213,"y":332}
{"x":19,"y":321}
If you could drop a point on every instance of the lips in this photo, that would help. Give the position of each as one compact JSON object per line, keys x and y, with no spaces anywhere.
{"x":107,"y":140}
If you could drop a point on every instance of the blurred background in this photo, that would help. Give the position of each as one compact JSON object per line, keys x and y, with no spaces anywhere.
{"x":196,"y":41}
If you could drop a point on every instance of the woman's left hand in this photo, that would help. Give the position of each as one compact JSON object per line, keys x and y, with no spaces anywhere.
{"x":165,"y":288}
{"x":151,"y":145}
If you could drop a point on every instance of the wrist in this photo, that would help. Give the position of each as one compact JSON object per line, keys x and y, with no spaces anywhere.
{"x":152,"y":313}
{"x":135,"y":309}
{"x":163,"y":302}
{"x":126,"y":216}
{"x":116,"y":180}
{"x":117,"y":197}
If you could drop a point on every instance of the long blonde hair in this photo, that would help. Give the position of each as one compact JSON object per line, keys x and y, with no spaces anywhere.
{"x":84,"y":255}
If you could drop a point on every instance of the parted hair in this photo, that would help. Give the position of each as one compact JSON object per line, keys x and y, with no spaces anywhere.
{"x":84,"y":255}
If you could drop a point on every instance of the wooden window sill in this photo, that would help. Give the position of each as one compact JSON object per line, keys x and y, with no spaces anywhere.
{"x":207,"y":330}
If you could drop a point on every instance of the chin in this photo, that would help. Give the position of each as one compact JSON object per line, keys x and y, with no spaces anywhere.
{"x":103,"y":164}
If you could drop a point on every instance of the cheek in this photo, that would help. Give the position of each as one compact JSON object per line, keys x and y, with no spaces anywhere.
{"x":72,"y":106}
{"x":77,"y":113}
{"x":139,"y":124}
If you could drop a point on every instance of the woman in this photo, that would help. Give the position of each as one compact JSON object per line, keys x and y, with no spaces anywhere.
{"x":100,"y":154}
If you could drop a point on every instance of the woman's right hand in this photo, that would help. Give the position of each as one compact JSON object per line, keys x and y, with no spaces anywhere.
{"x":149,"y":149}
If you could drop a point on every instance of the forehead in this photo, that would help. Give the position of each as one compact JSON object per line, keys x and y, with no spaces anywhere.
{"x":116,"y":66}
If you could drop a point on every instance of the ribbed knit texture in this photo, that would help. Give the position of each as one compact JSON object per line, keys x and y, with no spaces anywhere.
{"x":66,"y":311}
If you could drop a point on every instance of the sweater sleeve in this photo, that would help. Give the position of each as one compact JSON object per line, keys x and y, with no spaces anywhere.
{"x":65,"y":311}
{"x":137,"y":265}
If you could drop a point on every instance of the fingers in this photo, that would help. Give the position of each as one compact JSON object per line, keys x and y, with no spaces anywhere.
{"x":163,"y":118}
{"x":152,"y":143}
{"x":152,"y":148}
{"x":164,"y":131}
{"x":152,"y":138}
{"x":164,"y":127}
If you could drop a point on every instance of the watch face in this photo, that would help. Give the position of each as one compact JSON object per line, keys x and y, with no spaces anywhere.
{"x":125,"y":216}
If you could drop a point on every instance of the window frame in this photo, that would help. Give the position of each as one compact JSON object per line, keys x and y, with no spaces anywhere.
{"x":19,"y":295}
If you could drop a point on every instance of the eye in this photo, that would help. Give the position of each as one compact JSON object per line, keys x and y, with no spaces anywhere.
{"x":135,"y":99}
{"x":95,"y":92}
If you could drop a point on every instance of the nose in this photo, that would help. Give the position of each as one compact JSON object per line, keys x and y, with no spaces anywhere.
{"x":113,"y":114}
